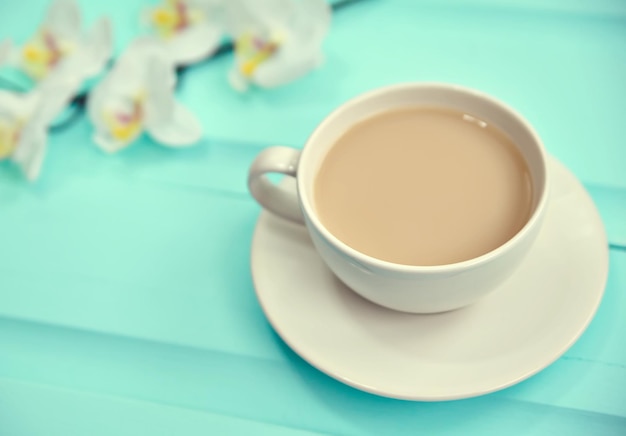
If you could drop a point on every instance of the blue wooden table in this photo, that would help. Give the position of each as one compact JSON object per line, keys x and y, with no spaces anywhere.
{"x":126,"y":302}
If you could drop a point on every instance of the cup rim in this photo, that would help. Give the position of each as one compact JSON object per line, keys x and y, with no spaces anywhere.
{"x":363,"y":258}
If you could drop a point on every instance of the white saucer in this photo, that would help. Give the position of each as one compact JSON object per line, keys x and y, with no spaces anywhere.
{"x":499,"y":341}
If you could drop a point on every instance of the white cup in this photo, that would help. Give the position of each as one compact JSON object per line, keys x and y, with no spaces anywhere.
{"x":416,"y":289}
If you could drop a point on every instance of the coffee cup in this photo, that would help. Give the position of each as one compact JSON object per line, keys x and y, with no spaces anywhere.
{"x":398,"y":286}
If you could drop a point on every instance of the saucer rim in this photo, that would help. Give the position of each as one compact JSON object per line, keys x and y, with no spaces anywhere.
{"x":554,"y":354}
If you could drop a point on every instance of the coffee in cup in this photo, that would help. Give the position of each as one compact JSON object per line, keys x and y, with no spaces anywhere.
{"x":423,"y":186}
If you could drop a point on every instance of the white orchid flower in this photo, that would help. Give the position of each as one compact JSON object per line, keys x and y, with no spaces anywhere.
{"x":61,"y":51}
{"x":138,"y":95}
{"x":276,"y":41}
{"x":24,"y":121}
{"x":190,"y":30}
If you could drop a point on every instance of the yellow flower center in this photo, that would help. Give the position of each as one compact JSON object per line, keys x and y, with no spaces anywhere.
{"x":174,"y":16}
{"x":253,"y":50}
{"x":34,"y":54}
{"x":164,"y":21}
{"x":124,"y":126}
{"x":42,"y":53}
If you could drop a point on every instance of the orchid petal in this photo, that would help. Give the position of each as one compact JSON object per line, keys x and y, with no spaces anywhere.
{"x":193,"y":44}
{"x":125,"y":78}
{"x":306,"y":17}
{"x":181,"y":129}
{"x":63,"y":18}
{"x":102,"y":114}
{"x":15,"y":112}
{"x":30,"y":151}
{"x":5,"y":51}
{"x":167,"y":121}
{"x":138,"y":94}
{"x":309,"y":22}
{"x":118,"y":106}
{"x":100,"y":96}
{"x":190,"y":30}
{"x":18,"y":105}
{"x":88,"y":60}
{"x":159,"y":89}
{"x":97,"y":48}
{"x":278,"y":41}
{"x":60,"y":51}
{"x":112,"y":94}
{"x":256,"y":15}
{"x":106,"y":102}
{"x":31,"y":114}
{"x":285,"y":67}
{"x":52,"y":98}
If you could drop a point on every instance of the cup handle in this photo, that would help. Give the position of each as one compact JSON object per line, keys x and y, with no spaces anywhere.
{"x":280,"y":199}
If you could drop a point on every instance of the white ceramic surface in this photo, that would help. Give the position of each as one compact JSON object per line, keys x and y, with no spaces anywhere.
{"x":506,"y":337}
{"x":417,"y":289}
